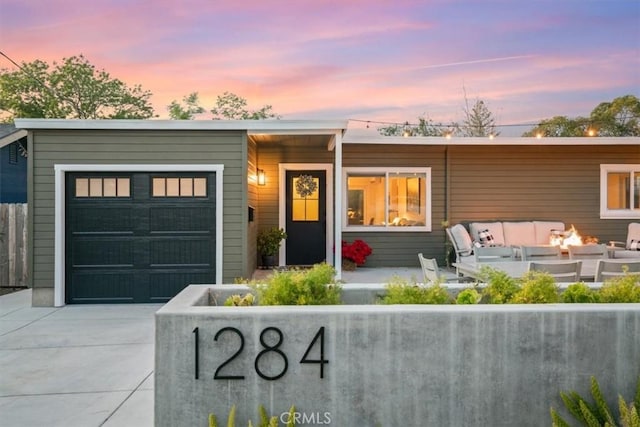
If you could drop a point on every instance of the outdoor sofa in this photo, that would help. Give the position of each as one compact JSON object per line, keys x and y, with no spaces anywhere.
{"x":631,"y":247}
{"x":500,"y":233}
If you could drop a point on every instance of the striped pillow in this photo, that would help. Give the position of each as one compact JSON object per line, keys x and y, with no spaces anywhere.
{"x":486,"y":238}
{"x":634,"y":245}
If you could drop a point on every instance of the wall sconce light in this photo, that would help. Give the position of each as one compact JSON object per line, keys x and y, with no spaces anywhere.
{"x":261,"y":177}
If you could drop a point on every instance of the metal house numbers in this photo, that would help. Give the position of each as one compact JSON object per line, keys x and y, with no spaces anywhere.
{"x":271,"y":340}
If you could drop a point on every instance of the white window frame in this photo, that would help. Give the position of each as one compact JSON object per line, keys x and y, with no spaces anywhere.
{"x":606,"y":213}
{"x":387,"y":171}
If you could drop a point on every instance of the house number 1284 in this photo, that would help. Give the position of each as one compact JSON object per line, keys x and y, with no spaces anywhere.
{"x":269,"y":345}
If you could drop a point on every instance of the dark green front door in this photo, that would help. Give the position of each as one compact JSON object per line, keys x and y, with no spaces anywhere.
{"x":138,"y":237}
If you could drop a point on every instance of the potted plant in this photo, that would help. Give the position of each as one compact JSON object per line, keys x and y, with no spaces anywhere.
{"x":354,"y":254}
{"x":269,"y":241}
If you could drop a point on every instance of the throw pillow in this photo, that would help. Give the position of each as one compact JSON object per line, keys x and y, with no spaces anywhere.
{"x":634,"y":245}
{"x":486,"y":238}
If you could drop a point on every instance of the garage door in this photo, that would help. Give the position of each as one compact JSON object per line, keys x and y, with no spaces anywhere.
{"x":138,"y":237}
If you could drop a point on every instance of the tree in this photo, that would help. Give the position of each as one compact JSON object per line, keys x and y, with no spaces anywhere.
{"x":188,"y":111}
{"x":73,"y":89}
{"x":478,"y":120}
{"x":560,"y":127}
{"x":230,"y":106}
{"x":425,"y":127}
{"x":620,"y":117}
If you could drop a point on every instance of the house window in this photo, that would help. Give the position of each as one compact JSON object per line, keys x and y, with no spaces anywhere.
{"x":179,"y":187}
{"x":620,"y":191}
{"x":391,"y":199}
{"x":305,"y":207}
{"x":103,"y":187}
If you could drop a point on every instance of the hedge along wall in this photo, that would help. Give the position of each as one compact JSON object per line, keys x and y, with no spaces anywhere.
{"x":369,"y":365}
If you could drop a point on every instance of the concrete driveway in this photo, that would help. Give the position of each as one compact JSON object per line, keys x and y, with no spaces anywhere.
{"x":77,"y":365}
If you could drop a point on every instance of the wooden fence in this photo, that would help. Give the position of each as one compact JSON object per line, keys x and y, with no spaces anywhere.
{"x":13,"y":244}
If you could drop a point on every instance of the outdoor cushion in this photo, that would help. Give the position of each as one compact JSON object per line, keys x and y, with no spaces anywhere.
{"x":543,"y":230}
{"x":519,"y":233}
{"x":462,"y":238}
{"x":486,"y":238}
{"x":495,"y":228}
{"x":635,"y":245}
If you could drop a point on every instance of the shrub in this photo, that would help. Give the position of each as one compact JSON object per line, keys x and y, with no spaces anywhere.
{"x":622,"y":289}
{"x":240,"y":301}
{"x":500,"y":287}
{"x":400,"y":291}
{"x":468,"y":296}
{"x":579,"y":293}
{"x":537,"y":287}
{"x":314,"y":286}
{"x":598,"y":413}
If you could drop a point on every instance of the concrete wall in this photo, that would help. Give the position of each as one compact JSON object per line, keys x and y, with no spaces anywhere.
{"x":391,"y":365}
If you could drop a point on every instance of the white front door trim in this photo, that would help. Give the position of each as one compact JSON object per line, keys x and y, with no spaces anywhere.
{"x":60,"y":197}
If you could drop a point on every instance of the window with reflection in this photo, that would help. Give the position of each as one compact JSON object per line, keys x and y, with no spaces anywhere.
{"x":103,"y":187}
{"x":620,"y":191}
{"x":387,"y":199}
{"x":305,"y":205}
{"x":179,"y":187}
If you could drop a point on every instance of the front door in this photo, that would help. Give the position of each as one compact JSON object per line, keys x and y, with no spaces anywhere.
{"x":306,"y":224}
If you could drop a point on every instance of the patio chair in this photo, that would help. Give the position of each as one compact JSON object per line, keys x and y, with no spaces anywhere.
{"x":461,"y":241}
{"x":588,"y":251}
{"x":609,"y":268}
{"x":631,"y":247}
{"x":540,"y":253}
{"x":431,"y":271}
{"x":494,"y":254}
{"x":565,"y":271}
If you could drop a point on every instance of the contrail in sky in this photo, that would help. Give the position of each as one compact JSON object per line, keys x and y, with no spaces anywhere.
{"x":477,"y":61}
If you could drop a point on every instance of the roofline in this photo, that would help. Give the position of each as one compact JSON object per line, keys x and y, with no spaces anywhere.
{"x":359,"y":137}
{"x":12,"y":137}
{"x":251,"y":126}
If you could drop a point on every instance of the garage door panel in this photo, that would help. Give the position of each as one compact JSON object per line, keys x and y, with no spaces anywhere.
{"x":101,"y":219}
{"x":174,"y":219}
{"x":102,"y":252}
{"x":165,"y":284}
{"x":102,"y":287}
{"x":184,"y":252}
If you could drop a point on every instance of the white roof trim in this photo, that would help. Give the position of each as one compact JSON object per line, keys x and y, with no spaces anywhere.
{"x":252,"y":126}
{"x":359,"y":136}
{"x":12,"y":137}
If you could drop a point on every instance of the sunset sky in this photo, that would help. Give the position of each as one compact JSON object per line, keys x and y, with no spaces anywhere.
{"x":376,"y":60}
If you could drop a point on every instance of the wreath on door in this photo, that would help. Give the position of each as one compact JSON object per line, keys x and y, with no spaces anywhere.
{"x":306,"y":185}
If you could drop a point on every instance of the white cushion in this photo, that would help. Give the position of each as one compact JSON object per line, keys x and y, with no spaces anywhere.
{"x":519,"y":233}
{"x":495,"y":228}
{"x":633,"y":233}
{"x":543,"y":230}
{"x":462,"y":238}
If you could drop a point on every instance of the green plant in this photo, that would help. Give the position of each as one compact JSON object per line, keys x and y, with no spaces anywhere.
{"x":579,"y":293}
{"x":537,"y":287}
{"x":598,"y":413}
{"x":269,"y":240}
{"x":314,"y":286}
{"x":468,"y":296}
{"x":265,"y":419}
{"x":240,"y":301}
{"x":622,"y":289}
{"x":500,"y":287}
{"x":401,"y":291}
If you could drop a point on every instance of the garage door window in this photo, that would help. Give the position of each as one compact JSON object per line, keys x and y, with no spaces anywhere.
{"x":180,"y":187}
{"x":103,"y":187}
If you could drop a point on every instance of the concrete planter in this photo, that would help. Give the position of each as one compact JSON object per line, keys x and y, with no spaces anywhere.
{"x":368,"y":365}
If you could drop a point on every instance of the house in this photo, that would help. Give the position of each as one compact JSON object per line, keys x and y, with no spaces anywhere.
{"x":132,"y":211}
{"x":13,"y":164}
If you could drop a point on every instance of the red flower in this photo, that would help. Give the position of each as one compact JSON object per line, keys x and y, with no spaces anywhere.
{"x":358,"y":251}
